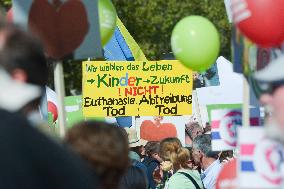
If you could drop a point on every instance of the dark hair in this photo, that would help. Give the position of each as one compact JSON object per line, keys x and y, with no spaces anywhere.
{"x":21,"y":50}
{"x":134,"y":178}
{"x":152,"y":147}
{"x":104,"y":146}
{"x":137,"y":150}
{"x":203,"y":143}
{"x":207,"y":127}
{"x":225,"y":155}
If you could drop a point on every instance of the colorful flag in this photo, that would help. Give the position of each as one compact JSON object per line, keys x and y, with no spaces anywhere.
{"x":117,"y":48}
{"x":134,"y":47}
{"x":228,"y":9}
{"x":260,"y":159}
{"x":224,"y":126}
{"x":52,"y":104}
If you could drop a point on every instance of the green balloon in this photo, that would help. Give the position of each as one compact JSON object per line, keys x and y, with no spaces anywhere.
{"x":107,"y":15}
{"x":195,"y":42}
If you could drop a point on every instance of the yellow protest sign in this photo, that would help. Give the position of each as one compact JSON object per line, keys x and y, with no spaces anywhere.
{"x":138,"y":88}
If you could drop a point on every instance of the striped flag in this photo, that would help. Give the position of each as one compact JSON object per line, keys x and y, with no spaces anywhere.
{"x":224,"y":123}
{"x":260,"y":159}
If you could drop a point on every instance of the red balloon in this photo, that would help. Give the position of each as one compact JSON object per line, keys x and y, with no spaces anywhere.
{"x":260,"y":20}
{"x":51,"y":107}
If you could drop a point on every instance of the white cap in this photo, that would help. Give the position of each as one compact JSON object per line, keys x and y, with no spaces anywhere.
{"x":133,"y":139}
{"x":273,"y":72}
{"x":14,"y":95}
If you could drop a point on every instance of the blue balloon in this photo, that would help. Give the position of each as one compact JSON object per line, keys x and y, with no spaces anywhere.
{"x":124,"y":121}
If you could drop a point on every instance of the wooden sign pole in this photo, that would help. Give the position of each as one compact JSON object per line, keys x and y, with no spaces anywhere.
{"x":246,"y":104}
{"x":196,"y":106}
{"x":59,"y":75}
{"x":60,"y":92}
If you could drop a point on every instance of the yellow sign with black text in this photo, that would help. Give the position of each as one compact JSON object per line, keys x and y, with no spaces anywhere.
{"x":137,"y":88}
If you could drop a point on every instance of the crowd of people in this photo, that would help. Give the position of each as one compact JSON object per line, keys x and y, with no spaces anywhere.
{"x":97,"y":154}
{"x":120,"y":160}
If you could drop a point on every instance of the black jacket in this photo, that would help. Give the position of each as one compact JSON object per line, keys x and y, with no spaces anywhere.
{"x":28,"y":159}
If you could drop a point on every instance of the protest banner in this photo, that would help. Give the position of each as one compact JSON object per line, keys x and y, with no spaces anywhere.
{"x":64,"y":35}
{"x":136,"y":88}
{"x":157,"y":128}
{"x":260,"y":159}
{"x":230,"y":90}
{"x":73,"y":108}
{"x":74,"y":112}
{"x":225,"y":119}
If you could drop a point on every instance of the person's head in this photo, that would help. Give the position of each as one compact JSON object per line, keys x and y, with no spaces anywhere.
{"x":193,"y":130}
{"x":168,"y":144}
{"x":140,"y":150}
{"x":274,"y":99}
{"x":201,"y":151}
{"x":14,"y":95}
{"x":173,"y":151}
{"x":134,"y":178}
{"x":152,"y":150}
{"x":104,"y":147}
{"x":271,"y":83}
{"x":22,"y":56}
{"x":195,"y":75}
{"x":190,"y":163}
{"x":158,"y":118}
{"x":207,"y":128}
{"x":225,"y":155}
{"x":135,"y":144}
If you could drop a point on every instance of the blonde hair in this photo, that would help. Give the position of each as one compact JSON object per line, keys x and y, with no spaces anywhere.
{"x":168,"y":145}
{"x":172,"y":150}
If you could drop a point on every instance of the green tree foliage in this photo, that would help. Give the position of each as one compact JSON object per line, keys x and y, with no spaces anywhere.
{"x":151,"y":21}
{"x":6,"y":4}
